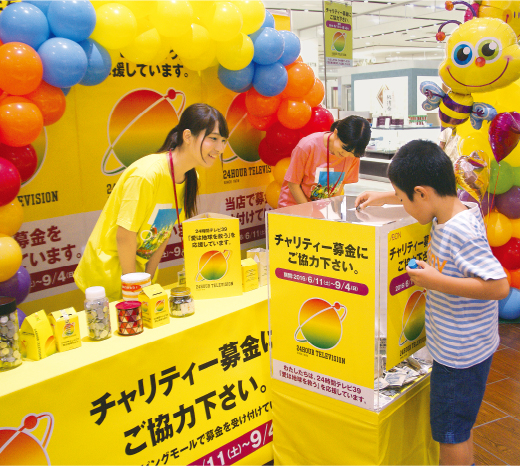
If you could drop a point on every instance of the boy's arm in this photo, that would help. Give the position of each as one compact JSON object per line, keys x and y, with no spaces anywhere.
{"x":468,"y":287}
{"x":368,"y":198}
{"x":297,"y":193}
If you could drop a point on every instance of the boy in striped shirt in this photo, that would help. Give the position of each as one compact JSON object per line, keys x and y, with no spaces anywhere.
{"x":464,"y":281}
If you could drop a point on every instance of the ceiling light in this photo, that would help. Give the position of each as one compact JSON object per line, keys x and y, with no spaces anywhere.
{"x":412,"y":36}
{"x":367,"y":43}
{"x":398,"y":52}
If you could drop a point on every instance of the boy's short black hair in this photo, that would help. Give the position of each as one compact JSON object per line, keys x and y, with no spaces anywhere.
{"x":422,"y":163}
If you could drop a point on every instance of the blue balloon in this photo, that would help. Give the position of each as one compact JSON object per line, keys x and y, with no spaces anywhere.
{"x":65,"y":90}
{"x":268,"y":21}
{"x":509,"y":308}
{"x":99,"y":63}
{"x":269,"y":46}
{"x":239,"y":80}
{"x":73,"y":20}
{"x":41,"y":4}
{"x":291,"y":49}
{"x":270,"y":80}
{"x":23,"y":22}
{"x":64,"y":62}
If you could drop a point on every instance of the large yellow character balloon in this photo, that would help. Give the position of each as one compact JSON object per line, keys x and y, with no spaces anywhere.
{"x":507,"y":11}
{"x":481,"y":55}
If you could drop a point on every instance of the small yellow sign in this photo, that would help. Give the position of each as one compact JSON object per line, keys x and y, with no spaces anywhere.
{"x":37,"y":338}
{"x":212,"y":256}
{"x":338,"y":34}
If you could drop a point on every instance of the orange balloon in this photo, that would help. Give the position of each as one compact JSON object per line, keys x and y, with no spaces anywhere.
{"x":294,"y":113}
{"x":260,"y":105}
{"x":20,"y":123}
{"x":300,"y":59}
{"x":300,"y":79}
{"x":515,"y":278}
{"x":261,"y":123}
{"x":316,"y":94}
{"x":272,"y":194}
{"x":508,"y":275}
{"x":22,"y":68}
{"x":280,"y":169}
{"x":50,"y":100}
{"x":13,"y":99}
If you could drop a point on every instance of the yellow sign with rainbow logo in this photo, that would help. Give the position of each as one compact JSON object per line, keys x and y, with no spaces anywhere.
{"x":406,"y":303}
{"x":323,"y":337}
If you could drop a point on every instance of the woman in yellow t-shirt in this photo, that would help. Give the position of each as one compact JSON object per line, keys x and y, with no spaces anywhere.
{"x":133,"y":229}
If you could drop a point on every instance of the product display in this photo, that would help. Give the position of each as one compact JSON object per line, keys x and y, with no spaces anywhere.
{"x":10,"y":355}
{"x":129,"y":317}
{"x":65,"y":326}
{"x":131,"y":284}
{"x":153,"y":306}
{"x":97,"y":313}
{"x":181,"y":302}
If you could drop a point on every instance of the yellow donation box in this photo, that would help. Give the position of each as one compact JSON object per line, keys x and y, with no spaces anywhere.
{"x":342,"y":308}
{"x":212,"y":256}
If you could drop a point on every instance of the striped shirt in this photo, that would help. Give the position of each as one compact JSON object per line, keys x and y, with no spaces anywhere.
{"x":462,"y":332}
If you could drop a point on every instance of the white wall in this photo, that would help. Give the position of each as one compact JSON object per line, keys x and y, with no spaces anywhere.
{"x":367,"y":90}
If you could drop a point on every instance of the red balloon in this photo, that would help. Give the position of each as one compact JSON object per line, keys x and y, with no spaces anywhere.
{"x":20,"y":123}
{"x":321,"y":120}
{"x":509,"y":254}
{"x":271,"y":155}
{"x":50,"y":100}
{"x":21,"y":66}
{"x":23,"y":158}
{"x":261,"y":123}
{"x":9,"y":182}
{"x":281,"y":138}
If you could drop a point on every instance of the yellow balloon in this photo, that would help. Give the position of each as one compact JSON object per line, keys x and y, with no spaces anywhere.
{"x":116,"y":26}
{"x":173,"y":18}
{"x":10,"y":258}
{"x":499,"y":229}
{"x":144,"y":47}
{"x":253,"y":15}
{"x":280,"y":169}
{"x":224,"y":22}
{"x":202,"y":11}
{"x":476,"y":141}
{"x":11,"y":217}
{"x":236,"y":53}
{"x":162,"y":54}
{"x":515,"y":223}
{"x":193,"y":44}
{"x":206,"y":60}
{"x":140,"y":8}
{"x":272,"y":194}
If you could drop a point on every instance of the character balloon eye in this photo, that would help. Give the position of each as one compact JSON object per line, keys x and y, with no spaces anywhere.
{"x":463,"y":54}
{"x":489,"y":49}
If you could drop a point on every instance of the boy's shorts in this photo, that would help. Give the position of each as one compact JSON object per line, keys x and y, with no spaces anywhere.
{"x":455,"y":398}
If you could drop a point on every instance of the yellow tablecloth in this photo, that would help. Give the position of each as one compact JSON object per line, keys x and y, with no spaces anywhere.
{"x":196,"y":389}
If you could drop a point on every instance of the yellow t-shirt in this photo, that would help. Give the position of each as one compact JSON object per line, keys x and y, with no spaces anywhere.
{"x":142,"y":201}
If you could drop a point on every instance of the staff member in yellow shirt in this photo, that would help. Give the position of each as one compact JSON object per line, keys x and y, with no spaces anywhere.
{"x":152,"y":194}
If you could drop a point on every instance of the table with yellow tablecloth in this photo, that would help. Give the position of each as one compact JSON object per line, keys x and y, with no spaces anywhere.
{"x":194,"y":390}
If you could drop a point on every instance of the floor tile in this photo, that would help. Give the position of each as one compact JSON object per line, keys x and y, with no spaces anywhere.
{"x":505,"y":396}
{"x":488,"y":413}
{"x":500,"y":438}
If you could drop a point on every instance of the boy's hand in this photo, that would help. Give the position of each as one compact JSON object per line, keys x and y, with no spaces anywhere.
{"x":425,"y":276}
{"x":375,"y":198}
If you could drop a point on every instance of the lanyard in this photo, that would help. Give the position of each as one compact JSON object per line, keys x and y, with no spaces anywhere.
{"x":174,"y":189}
{"x":342,"y":170}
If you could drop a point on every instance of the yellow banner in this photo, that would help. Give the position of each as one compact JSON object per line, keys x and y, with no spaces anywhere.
{"x":325,"y":332}
{"x":170,"y":401}
{"x":406,"y":332}
{"x":338,"y":34}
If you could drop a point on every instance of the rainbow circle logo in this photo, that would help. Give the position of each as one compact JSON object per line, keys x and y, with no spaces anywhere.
{"x":320,"y":323}
{"x":159,"y":307}
{"x":212,"y":265}
{"x":339,"y":41}
{"x":413,"y":317}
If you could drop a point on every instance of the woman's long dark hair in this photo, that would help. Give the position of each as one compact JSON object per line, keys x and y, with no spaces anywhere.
{"x":196,"y":118}
{"x":354,"y":132}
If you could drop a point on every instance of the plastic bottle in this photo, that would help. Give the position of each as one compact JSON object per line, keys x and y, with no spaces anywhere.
{"x":97,"y":312}
{"x":413,"y":264}
{"x":10,"y":355}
